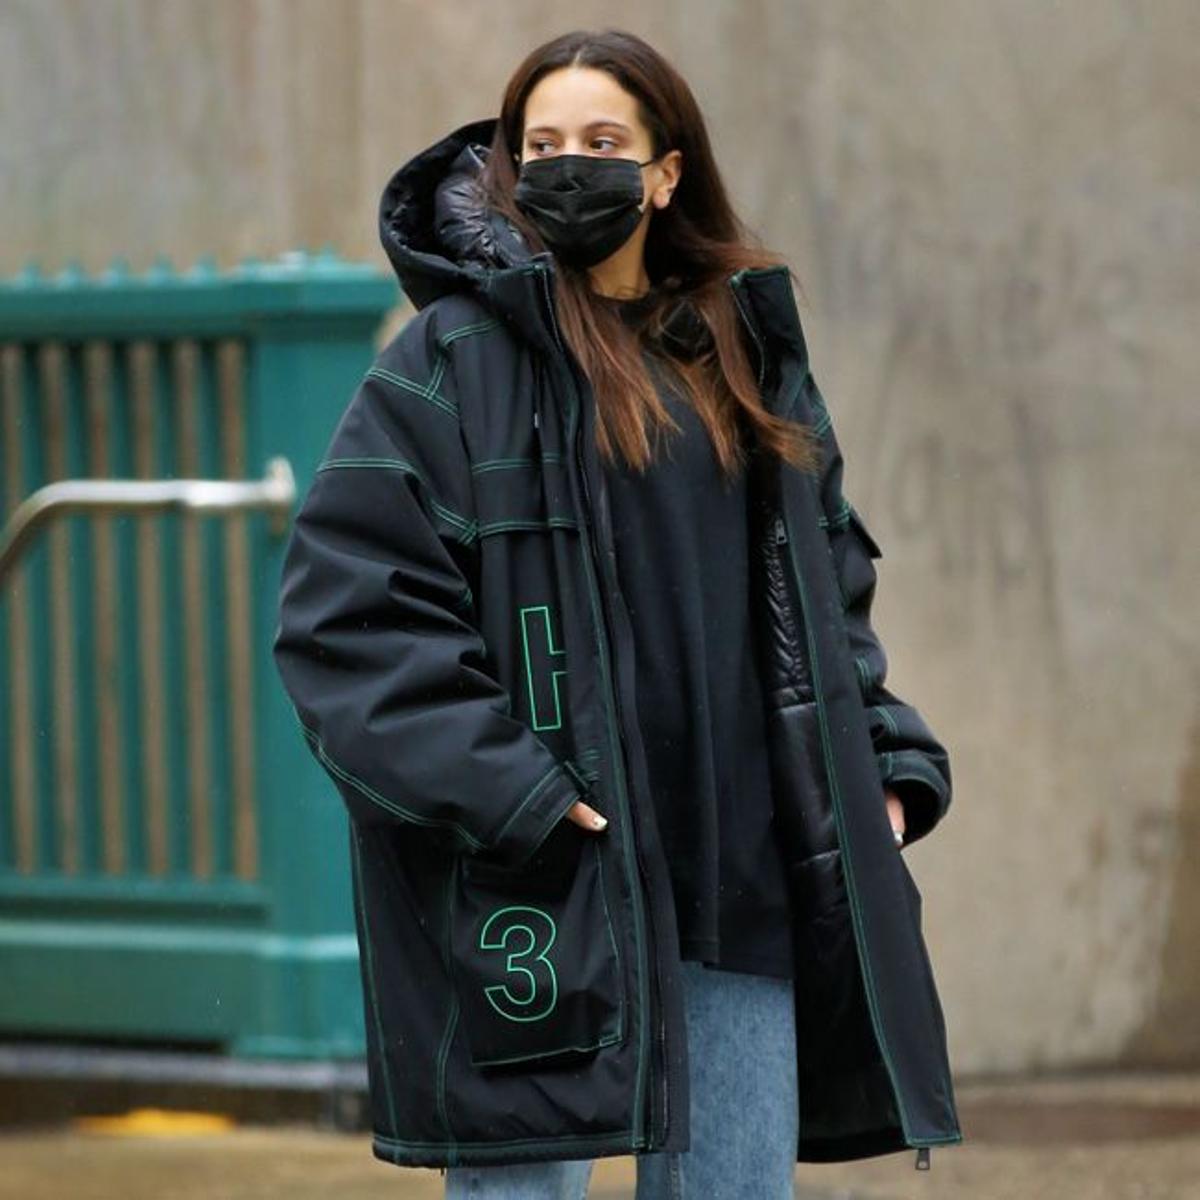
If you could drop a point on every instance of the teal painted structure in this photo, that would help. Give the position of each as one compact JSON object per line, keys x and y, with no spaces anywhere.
{"x":173,"y":863}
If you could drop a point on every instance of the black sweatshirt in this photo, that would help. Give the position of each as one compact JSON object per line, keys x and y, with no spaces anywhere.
{"x":682,"y":540}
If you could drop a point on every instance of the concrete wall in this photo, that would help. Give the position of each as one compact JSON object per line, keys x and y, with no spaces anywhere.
{"x":994,"y":212}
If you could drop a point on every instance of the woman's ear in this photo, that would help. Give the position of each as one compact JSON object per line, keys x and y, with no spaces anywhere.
{"x":672,"y":169}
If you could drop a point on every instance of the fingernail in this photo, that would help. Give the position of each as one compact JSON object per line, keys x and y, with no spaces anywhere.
{"x":599,"y":821}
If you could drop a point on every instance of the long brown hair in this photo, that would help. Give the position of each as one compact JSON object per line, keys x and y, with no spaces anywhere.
{"x":692,"y":246}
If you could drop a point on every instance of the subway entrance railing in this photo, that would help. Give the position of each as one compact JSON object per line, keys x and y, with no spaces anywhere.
{"x":173,"y":864}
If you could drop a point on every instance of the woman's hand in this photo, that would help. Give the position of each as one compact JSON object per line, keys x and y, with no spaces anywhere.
{"x":586,"y":817}
{"x":895,"y":814}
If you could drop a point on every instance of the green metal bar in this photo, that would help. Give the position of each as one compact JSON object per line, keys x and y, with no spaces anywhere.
{"x":40,"y":698}
{"x":210,"y":465}
{"x":168,"y":432}
{"x":82,"y":589}
{"x":124,"y":684}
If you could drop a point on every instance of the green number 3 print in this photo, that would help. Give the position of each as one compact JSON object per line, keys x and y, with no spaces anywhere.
{"x":525,"y":934}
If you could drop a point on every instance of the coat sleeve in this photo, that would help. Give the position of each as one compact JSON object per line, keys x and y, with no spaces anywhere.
{"x":911,"y":760}
{"x":375,"y":642}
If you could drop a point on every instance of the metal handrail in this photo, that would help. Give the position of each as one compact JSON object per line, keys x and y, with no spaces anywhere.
{"x":275,"y":492}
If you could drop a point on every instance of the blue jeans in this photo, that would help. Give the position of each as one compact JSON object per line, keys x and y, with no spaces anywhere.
{"x":744,"y":1107}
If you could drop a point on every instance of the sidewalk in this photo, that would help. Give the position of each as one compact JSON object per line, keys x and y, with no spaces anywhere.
{"x":1084,"y":1137}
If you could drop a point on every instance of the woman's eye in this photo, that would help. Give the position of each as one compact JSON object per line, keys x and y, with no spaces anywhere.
{"x":540,"y":145}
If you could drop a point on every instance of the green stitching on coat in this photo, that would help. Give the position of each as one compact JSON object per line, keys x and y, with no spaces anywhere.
{"x":439,"y":371}
{"x":582,"y":1139}
{"x":508,"y":464}
{"x":533,"y":792}
{"x":888,"y":719}
{"x":500,"y":464}
{"x":840,"y":519}
{"x":464,"y":527}
{"x":394,"y":464}
{"x":863,"y":669}
{"x":605,"y":1040}
{"x":380,"y":799}
{"x":467,"y":331}
{"x":418,"y":389}
{"x":490,"y":527}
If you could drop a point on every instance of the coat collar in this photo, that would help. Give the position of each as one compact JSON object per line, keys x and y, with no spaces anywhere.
{"x":441,"y":237}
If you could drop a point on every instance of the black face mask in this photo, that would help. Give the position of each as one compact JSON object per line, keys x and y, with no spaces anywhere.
{"x":584,"y":206}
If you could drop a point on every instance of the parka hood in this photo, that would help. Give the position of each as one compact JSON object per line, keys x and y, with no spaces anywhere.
{"x":435,"y":226}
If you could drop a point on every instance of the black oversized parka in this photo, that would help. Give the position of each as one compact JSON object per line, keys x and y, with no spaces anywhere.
{"x":460,"y":661}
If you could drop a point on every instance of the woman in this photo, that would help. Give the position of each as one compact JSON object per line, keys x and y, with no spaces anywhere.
{"x":576,"y":617}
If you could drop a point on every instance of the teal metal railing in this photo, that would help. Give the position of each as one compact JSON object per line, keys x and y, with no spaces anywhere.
{"x":173,"y":864}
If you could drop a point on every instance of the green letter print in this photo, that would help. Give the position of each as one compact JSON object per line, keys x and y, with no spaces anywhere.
{"x":537,"y":637}
{"x":533,"y":932}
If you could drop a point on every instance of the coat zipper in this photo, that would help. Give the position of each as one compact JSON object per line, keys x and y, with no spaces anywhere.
{"x":660,"y":1032}
{"x":641,"y":909}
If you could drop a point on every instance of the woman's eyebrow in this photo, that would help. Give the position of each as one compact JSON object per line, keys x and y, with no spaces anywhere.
{"x":590,"y":125}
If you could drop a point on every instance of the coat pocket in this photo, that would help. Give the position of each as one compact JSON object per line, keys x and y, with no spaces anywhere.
{"x":534,"y":954}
